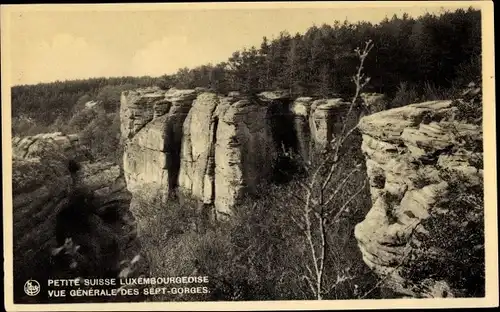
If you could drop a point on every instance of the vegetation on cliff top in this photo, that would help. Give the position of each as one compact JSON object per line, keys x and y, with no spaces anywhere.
{"x":414,"y":59}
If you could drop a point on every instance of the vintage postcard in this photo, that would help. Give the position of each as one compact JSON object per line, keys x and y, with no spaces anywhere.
{"x":249,"y":156}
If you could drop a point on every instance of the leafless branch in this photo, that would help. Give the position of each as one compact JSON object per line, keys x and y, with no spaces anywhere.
{"x":314,"y":228}
{"x":311,"y":286}
{"x":340,"y":280}
{"x":341,"y":185}
{"x":329,"y":176}
{"x":344,"y":206}
{"x":297,"y":223}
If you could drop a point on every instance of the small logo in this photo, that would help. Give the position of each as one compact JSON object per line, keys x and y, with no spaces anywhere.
{"x":32,"y":288}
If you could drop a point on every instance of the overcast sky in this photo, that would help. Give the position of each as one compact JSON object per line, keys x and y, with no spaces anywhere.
{"x":56,"y":43}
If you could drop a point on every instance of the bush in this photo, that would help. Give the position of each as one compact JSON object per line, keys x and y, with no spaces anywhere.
{"x":405,"y":95}
{"x":455,"y":250}
{"x":470,"y":104}
{"x":102,"y":137}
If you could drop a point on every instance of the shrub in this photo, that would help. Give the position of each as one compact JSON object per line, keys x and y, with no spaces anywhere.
{"x":102,"y":137}
{"x":405,"y":95}
{"x":470,"y":104}
{"x":455,"y":250}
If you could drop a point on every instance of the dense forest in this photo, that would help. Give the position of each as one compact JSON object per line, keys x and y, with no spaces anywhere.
{"x":441,"y":51}
{"x":413,"y":59}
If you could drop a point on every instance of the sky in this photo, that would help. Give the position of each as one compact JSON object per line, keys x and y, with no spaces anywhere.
{"x":49,"y":43}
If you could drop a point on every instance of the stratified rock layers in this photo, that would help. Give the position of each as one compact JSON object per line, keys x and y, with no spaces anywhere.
{"x":227,"y":150}
{"x":244,"y":153}
{"x":197,"y":172}
{"x":216,"y":148}
{"x":407,"y":151}
{"x":152,"y":122}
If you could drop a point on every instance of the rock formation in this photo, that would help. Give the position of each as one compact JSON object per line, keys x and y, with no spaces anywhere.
{"x":244,"y":152}
{"x":152,"y":122}
{"x":326,"y":120}
{"x":37,"y":146}
{"x":217,"y":148}
{"x":300,"y":110}
{"x":316,"y":122}
{"x":227,"y":150}
{"x":212,"y":148}
{"x":413,"y":154}
{"x":197,"y":172}
{"x":39,"y":206}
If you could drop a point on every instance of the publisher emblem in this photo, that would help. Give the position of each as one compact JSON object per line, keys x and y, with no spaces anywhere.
{"x":32,"y":288}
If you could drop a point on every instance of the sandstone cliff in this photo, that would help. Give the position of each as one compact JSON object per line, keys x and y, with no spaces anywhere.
{"x":197,"y":171}
{"x":209,"y":147}
{"x":152,"y":122}
{"x":226,"y":150}
{"x":413,"y":156}
{"x":218,"y":148}
{"x":244,"y":153}
{"x":48,"y":194}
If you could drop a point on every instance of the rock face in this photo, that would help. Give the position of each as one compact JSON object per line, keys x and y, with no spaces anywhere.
{"x":301,"y":111}
{"x":227,"y":150}
{"x":197,"y":172}
{"x":317,"y":121}
{"x":138,"y":107}
{"x":217,"y":148}
{"x":244,"y":153}
{"x":412,"y":153}
{"x":210,"y":147}
{"x":43,"y":212}
{"x":326,"y":117}
{"x":152,"y":122}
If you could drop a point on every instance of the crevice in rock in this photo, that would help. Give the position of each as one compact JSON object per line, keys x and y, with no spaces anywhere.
{"x":285,"y":138}
{"x":281,"y":121}
{"x":303,"y":133}
{"x":206,"y":208}
{"x":210,"y":168}
{"x":173,"y":155}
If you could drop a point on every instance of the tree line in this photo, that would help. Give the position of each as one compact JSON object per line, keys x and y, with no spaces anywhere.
{"x":428,"y":53}
{"x":441,"y":50}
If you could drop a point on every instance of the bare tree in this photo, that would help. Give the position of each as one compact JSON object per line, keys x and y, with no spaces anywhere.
{"x":322,"y":206}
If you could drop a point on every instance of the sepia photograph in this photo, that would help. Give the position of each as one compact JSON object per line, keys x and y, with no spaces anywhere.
{"x":229,"y":156}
